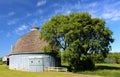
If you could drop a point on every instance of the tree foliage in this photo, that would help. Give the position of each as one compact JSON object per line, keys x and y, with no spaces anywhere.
{"x":77,"y":34}
{"x":97,"y":58}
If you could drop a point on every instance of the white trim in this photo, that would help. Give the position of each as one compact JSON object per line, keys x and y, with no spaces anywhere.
{"x":38,"y":57}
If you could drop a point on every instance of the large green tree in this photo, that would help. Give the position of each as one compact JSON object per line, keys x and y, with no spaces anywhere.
{"x":78,"y":35}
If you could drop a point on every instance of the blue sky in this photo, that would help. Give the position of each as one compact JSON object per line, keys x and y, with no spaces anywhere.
{"x":18,"y":16}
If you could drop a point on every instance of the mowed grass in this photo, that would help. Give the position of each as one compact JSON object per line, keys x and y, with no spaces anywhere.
{"x":6,"y":72}
{"x":106,"y":70}
{"x":102,"y":70}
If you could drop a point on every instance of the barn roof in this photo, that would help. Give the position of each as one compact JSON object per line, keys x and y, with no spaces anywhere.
{"x":29,"y":43}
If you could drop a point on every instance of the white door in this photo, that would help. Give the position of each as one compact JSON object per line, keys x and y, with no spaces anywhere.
{"x":36,"y":64}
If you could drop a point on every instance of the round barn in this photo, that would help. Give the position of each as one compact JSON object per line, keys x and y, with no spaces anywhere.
{"x":27,"y":54}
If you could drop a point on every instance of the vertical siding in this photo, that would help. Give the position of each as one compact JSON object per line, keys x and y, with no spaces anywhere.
{"x":21,"y":62}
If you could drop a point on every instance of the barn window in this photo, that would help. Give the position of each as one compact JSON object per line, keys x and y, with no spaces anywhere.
{"x":31,"y":61}
{"x":39,"y":61}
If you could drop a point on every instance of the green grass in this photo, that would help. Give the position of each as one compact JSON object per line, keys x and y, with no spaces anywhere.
{"x":5,"y":72}
{"x":106,"y":70}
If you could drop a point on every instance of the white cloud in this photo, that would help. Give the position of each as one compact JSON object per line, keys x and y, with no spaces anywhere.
{"x":67,"y":7}
{"x":11,"y":13}
{"x":21,"y":29}
{"x":68,"y":12}
{"x":8,"y":34}
{"x":107,"y":15}
{"x":116,"y":18}
{"x":55,"y":4}
{"x":39,"y":11}
{"x":103,"y":9}
{"x":7,"y":15}
{"x":112,"y":15}
{"x":111,"y":10}
{"x":91,"y":5}
{"x":1,"y":31}
{"x":41,"y":2}
{"x":11,"y":22}
{"x":34,"y":22}
{"x":28,"y":15}
{"x":77,"y":5}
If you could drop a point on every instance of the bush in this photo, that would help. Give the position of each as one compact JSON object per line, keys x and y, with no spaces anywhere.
{"x":0,"y":61}
{"x":84,"y":63}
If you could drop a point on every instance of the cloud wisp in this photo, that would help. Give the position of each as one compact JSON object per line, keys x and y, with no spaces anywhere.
{"x":11,"y":13}
{"x":8,"y":34}
{"x":110,"y":11}
{"x":67,"y":8}
{"x":12,"y":22}
{"x":113,"y":15}
{"x":21,"y":29}
{"x":41,"y":2}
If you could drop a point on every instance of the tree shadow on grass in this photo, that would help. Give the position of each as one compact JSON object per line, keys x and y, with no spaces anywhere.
{"x":103,"y":67}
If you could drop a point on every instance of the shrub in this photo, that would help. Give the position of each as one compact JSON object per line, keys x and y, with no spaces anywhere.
{"x":84,"y":63}
{"x":0,"y":61}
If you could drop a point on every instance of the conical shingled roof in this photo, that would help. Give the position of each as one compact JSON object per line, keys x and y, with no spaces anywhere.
{"x":29,"y":43}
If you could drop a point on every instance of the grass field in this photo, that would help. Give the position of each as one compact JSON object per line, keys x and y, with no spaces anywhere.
{"x":5,"y":72}
{"x":106,"y":70}
{"x":103,"y":70}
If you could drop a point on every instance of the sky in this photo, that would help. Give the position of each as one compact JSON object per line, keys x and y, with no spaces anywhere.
{"x":18,"y":16}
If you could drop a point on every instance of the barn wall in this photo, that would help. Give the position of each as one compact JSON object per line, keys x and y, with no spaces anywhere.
{"x":21,"y":61}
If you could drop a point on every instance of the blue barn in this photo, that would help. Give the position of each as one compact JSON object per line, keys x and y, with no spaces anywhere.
{"x":27,"y":54}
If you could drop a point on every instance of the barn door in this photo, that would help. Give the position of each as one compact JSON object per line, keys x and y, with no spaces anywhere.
{"x":35,"y":64}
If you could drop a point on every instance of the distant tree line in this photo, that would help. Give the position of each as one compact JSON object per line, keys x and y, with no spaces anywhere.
{"x":113,"y":58}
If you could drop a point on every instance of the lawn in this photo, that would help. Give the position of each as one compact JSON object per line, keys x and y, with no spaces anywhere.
{"x":5,"y":72}
{"x":103,"y":70}
{"x":106,"y":70}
